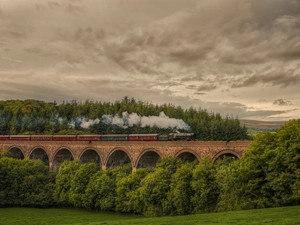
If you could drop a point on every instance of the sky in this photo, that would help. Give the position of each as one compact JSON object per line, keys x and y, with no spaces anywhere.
{"x":239,"y":58}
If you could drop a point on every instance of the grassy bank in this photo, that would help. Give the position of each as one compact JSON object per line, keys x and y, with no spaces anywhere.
{"x":274,"y":216}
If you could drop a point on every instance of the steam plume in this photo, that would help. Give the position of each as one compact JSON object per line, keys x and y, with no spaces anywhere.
{"x":129,"y":120}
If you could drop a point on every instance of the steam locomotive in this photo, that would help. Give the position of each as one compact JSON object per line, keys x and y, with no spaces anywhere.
{"x":106,"y":137}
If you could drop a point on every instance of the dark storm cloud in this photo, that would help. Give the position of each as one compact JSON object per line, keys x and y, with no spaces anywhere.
{"x":199,"y":93}
{"x":186,"y":52}
{"x":192,"y":86}
{"x":190,"y":55}
{"x":282,"y":80}
{"x":282,"y":102}
{"x":206,"y":87}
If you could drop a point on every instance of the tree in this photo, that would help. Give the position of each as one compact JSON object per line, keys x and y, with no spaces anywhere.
{"x":155,"y":187}
{"x":101,"y":190}
{"x":63,"y":180}
{"x":204,"y":186}
{"x":181,"y":191}
{"x":127,"y":200}
{"x":79,"y":183}
{"x":25,"y":183}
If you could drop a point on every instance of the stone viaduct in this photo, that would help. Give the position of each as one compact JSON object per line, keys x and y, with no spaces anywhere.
{"x":115,"y":153}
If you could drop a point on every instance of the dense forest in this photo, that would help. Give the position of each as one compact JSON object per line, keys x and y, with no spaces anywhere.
{"x":125,"y":116}
{"x":268,"y":175}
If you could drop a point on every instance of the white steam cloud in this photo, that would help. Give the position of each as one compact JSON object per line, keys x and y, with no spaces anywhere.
{"x":129,"y":120}
{"x":83,"y":122}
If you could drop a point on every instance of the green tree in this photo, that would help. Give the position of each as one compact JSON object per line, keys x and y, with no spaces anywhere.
{"x":284,"y":167}
{"x":79,"y":183}
{"x":156,"y":185}
{"x":101,"y":190}
{"x":229,"y":187}
{"x":25,"y":183}
{"x":127,"y":200}
{"x":205,"y":187}
{"x":181,"y":191}
{"x":63,"y":182}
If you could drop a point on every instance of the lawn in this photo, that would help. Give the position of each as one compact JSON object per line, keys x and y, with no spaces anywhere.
{"x":29,"y":216}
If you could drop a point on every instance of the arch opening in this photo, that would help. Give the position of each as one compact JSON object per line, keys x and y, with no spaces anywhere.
{"x":41,"y":154}
{"x":148,"y":160}
{"x":117,"y":158}
{"x":225,"y":159}
{"x":187,"y":157}
{"x":16,"y":153}
{"x":61,"y":156}
{"x":90,"y":155}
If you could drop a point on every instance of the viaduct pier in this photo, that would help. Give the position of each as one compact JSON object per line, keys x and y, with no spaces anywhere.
{"x":110,"y":154}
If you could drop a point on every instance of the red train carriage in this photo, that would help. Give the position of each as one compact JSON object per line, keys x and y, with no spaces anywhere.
{"x":64,"y":138}
{"x":142,"y":137}
{"x":19,"y":137}
{"x":41,"y":137}
{"x":88,"y":137}
{"x":3,"y":137}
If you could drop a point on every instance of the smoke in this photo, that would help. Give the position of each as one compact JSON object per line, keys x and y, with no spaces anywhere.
{"x":87,"y":123}
{"x":83,"y":122}
{"x":129,"y":120}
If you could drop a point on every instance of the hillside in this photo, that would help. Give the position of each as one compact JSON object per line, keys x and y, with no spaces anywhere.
{"x":267,"y":125}
{"x":255,"y":127}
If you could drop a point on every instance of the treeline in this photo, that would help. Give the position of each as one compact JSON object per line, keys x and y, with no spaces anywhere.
{"x":38,"y":117}
{"x":268,"y":175}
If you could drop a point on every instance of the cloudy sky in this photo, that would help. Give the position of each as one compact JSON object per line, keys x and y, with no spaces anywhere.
{"x":236,"y":57}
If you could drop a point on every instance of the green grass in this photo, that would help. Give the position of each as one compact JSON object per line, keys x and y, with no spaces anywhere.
{"x":29,"y":216}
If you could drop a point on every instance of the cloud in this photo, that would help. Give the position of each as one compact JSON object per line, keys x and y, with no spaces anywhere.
{"x":282,"y":80}
{"x":282,"y":102}
{"x":207,"y":87}
{"x":186,"y":52}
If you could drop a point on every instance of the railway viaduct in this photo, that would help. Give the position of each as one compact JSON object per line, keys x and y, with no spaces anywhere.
{"x":112,"y":154}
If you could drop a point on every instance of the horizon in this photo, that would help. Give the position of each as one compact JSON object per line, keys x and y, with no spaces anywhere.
{"x":70,"y":101}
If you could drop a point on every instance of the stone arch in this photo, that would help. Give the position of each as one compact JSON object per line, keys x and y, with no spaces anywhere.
{"x":39,"y":153}
{"x":188,"y":155}
{"x":148,"y":158}
{"x":90,"y":155}
{"x":16,"y":152}
{"x":61,"y":155}
{"x":118,"y":157}
{"x":226,"y":153}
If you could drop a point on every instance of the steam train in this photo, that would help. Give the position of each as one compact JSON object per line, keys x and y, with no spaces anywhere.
{"x":104,"y":137}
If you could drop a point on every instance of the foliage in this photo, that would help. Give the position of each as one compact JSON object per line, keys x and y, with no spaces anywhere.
{"x":127,"y":192}
{"x":268,"y":173}
{"x":266,"y":176}
{"x":63,"y":181}
{"x":38,"y":117}
{"x":205,"y":188}
{"x":25,"y":182}
{"x":100,"y":193}
{"x":79,"y":183}
{"x":181,"y":191}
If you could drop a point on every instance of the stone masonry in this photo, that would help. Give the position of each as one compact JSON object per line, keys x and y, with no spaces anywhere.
{"x":105,"y":153}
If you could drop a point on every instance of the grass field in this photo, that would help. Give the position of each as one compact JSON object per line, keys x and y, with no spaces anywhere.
{"x":29,"y":216}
